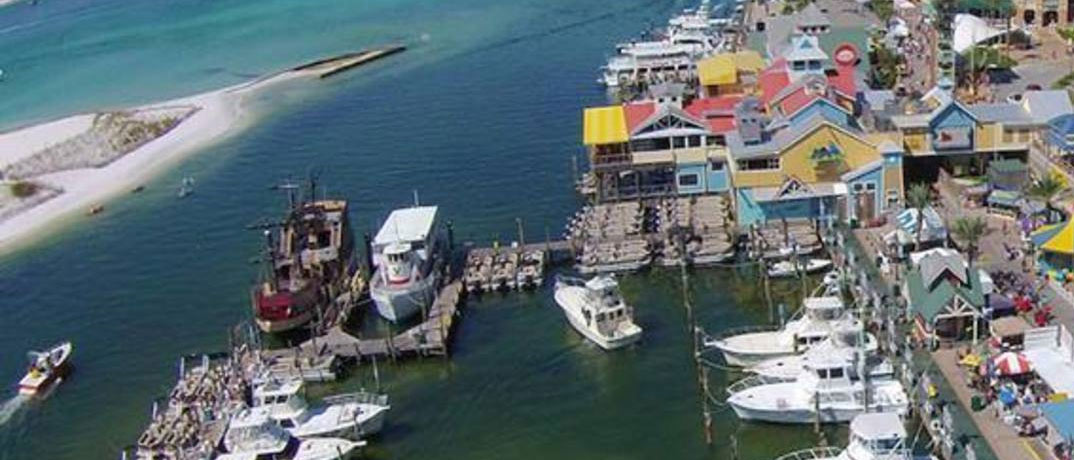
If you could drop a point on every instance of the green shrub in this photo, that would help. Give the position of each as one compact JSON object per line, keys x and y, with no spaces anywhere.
{"x":23,"y":189}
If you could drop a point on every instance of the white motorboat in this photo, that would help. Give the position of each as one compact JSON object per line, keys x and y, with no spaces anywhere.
{"x":879,"y":436}
{"x":817,"y":320}
{"x":46,"y":368}
{"x":252,"y":434}
{"x":789,"y":268}
{"x":597,"y":310}
{"x":787,"y":367}
{"x":405,"y":253}
{"x":828,"y":389}
{"x":349,"y":416}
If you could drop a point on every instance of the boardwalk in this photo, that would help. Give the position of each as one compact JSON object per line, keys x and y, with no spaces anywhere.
{"x":1003,"y":440}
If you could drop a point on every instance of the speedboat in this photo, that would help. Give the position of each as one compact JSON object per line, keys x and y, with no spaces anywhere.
{"x":788,"y":268}
{"x":817,"y":320}
{"x":596,"y":310}
{"x":349,"y":416}
{"x":405,"y":253}
{"x":252,"y":434}
{"x":46,"y":368}
{"x":828,"y":389}
{"x":879,"y":436}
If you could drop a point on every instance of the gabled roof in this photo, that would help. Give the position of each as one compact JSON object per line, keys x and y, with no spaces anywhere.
{"x":1043,"y":106}
{"x":844,"y":80}
{"x":805,"y":47}
{"x":811,"y":16}
{"x":718,"y":112}
{"x":773,"y":79}
{"x":663,"y":111}
{"x":778,"y":141}
{"x":933,"y":266}
{"x":930,"y":300}
{"x":1006,"y":113}
{"x":637,"y":113}
{"x":1062,"y":125}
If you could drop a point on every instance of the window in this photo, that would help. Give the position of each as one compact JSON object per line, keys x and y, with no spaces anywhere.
{"x":836,"y":373}
{"x":814,"y":65}
{"x":678,"y":142}
{"x":716,"y":165}
{"x":1008,"y":136}
{"x":759,"y":164}
{"x":893,"y":197}
{"x":870,"y":186}
{"x":688,"y":180}
{"x":798,"y":65}
{"x":694,"y":141}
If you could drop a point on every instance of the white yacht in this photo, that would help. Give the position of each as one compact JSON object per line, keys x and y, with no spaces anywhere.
{"x":688,"y":37}
{"x":879,"y":436}
{"x":597,"y":311}
{"x":817,"y":320}
{"x":348,"y":416}
{"x":251,"y":434}
{"x":789,"y":268}
{"x":829,"y":389}
{"x":405,"y":253}
{"x":787,"y":367}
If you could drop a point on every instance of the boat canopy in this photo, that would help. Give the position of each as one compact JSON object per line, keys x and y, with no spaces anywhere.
{"x":878,"y":426}
{"x":407,"y":225}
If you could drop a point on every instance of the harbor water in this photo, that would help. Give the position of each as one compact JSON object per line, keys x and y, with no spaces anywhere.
{"x":480,"y":116}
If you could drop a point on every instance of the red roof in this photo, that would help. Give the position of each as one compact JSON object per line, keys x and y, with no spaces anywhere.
{"x":773,"y":79}
{"x":796,"y":100}
{"x":721,"y":124}
{"x":843,"y":80}
{"x":637,"y":113}
{"x":699,"y":107}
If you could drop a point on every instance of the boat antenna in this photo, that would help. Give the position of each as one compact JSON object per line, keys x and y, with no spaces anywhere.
{"x":270,"y":260}
{"x":416,"y":201}
{"x":291,"y":188}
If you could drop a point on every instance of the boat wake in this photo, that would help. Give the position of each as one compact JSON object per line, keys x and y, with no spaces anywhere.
{"x":10,"y":407}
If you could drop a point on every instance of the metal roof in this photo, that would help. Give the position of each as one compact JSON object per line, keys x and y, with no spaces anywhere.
{"x":773,"y":143}
{"x":1006,"y":113}
{"x":811,"y":16}
{"x":1046,"y":105}
{"x":407,"y":225}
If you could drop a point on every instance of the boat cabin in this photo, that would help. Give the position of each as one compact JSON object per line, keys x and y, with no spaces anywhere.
{"x":398,"y":262}
{"x":815,"y":324}
{"x":283,"y":400}
{"x":603,"y":293}
{"x":253,"y":434}
{"x":414,"y":226}
{"x":877,"y":436}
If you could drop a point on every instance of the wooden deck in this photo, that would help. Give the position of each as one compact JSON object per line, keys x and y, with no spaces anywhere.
{"x":430,"y":338}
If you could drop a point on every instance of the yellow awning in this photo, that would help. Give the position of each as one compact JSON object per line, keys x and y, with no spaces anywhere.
{"x":604,"y":125}
{"x":717,"y":70}
{"x":1062,"y":242}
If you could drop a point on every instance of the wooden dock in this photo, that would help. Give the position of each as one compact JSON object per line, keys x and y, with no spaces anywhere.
{"x":430,"y":338}
{"x":334,"y":65}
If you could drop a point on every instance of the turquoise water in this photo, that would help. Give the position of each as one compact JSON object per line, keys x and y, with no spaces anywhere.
{"x":480,"y":116}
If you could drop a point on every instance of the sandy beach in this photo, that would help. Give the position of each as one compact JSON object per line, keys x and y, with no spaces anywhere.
{"x":214,"y":116}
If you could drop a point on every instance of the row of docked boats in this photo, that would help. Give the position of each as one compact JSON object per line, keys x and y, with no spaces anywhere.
{"x":504,"y":270}
{"x":667,"y":54}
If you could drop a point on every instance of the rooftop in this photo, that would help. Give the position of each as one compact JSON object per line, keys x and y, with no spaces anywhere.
{"x":406,"y":225}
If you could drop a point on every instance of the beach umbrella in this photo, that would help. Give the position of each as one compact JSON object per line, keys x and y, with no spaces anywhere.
{"x":1010,"y":363}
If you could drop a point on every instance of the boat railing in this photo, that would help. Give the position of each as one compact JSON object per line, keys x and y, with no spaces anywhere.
{"x":753,"y":381}
{"x":360,"y":397}
{"x":744,"y":330}
{"x":814,"y":453}
{"x":570,"y":280}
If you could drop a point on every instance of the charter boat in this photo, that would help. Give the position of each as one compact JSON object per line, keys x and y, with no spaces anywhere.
{"x":828,"y":389}
{"x":788,"y":268}
{"x":787,"y":367}
{"x":817,"y":320}
{"x":308,"y":263}
{"x":879,"y":436}
{"x":348,"y":416}
{"x":406,"y":253}
{"x":251,"y":434}
{"x":46,"y":368}
{"x":596,"y":310}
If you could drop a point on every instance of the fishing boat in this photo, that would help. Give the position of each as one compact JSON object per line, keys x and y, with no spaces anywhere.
{"x":252,"y":434}
{"x":596,"y":310}
{"x":817,"y":320}
{"x":786,"y":368}
{"x":789,"y":268}
{"x":308,"y":263}
{"x":406,"y":253}
{"x":879,"y":436}
{"x":46,"y":368}
{"x":828,"y":389}
{"x":351,"y":416}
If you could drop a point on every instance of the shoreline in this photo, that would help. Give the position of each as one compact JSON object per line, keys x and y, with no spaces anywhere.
{"x":216,"y":115}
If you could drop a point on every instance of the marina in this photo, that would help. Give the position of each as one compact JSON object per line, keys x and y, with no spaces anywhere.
{"x":752,"y":237}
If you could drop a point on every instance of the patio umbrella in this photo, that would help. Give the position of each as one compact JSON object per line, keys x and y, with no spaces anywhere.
{"x":1010,"y":363}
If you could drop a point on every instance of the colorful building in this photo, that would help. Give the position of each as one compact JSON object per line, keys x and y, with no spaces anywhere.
{"x":815,"y":164}
{"x":729,"y":73}
{"x":963,"y":139}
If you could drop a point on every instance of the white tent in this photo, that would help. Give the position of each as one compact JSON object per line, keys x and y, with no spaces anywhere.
{"x":971,"y":30}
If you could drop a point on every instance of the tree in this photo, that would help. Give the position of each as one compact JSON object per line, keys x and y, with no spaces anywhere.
{"x":884,"y":9}
{"x":969,"y":231}
{"x":979,"y":60}
{"x":1046,"y":189}
{"x":919,"y":198}
{"x":884,"y":67}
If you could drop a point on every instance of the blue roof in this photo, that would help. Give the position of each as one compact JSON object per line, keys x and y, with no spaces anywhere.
{"x":1063,"y":124}
{"x":1061,"y":416}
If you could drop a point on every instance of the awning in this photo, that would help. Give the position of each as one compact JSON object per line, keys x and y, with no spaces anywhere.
{"x":1056,"y":238}
{"x":604,"y":125}
{"x":1011,"y":363}
{"x":971,"y":30}
{"x":717,"y":70}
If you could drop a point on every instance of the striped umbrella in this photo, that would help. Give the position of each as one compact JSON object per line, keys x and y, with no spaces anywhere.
{"x":1010,"y":363}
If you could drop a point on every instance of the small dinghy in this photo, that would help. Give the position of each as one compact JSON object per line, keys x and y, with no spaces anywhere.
{"x":789,"y":268}
{"x":46,"y":368}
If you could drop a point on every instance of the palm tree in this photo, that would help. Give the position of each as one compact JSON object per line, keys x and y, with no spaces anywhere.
{"x":918,"y":197}
{"x":1046,"y":189}
{"x":969,"y":231}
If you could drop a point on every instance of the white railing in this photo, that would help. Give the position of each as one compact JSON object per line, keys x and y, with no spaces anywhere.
{"x":753,"y":381}
{"x":814,"y":453}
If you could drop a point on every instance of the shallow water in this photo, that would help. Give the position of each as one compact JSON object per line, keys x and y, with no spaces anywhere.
{"x":481,"y":116}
